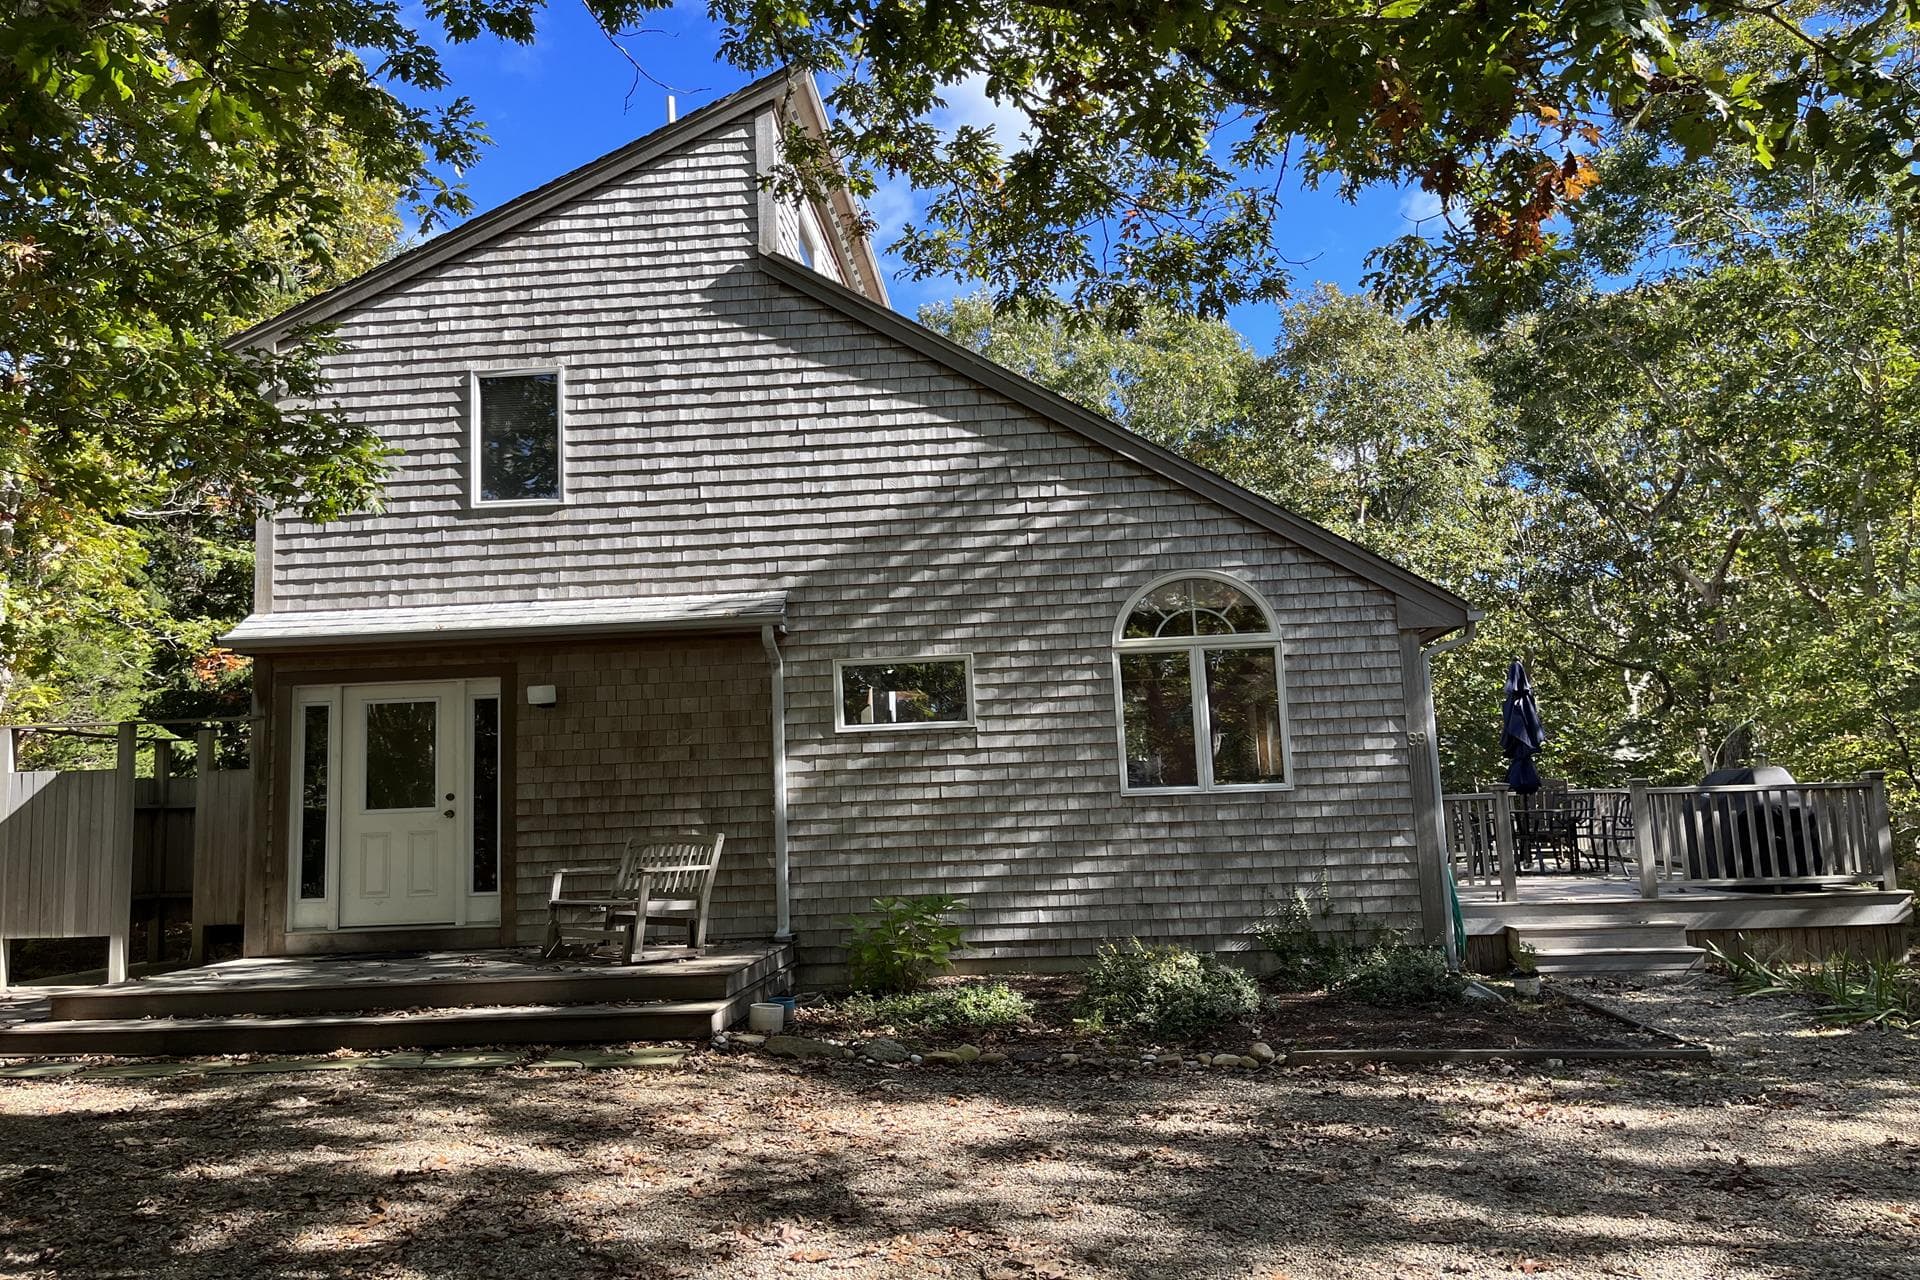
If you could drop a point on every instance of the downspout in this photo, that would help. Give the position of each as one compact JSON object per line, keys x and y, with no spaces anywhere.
{"x":1432,"y":728}
{"x":777,"y":670}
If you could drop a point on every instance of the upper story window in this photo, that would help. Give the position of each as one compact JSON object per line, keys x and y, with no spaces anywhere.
{"x":517,"y":441}
{"x":1197,"y":669}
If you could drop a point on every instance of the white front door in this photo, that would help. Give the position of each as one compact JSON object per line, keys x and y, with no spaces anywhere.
{"x":399,"y":829}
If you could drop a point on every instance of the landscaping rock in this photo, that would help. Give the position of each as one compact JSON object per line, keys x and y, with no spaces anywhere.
{"x":1250,"y":1062}
{"x":801,"y":1047}
{"x":886,"y":1051}
{"x":1262,"y":1051}
{"x":944,"y":1058}
{"x":967,"y":1053}
{"x":992,"y":1058}
{"x":1069,"y":1059}
{"x":749,"y":1039}
{"x":1226,"y":1059}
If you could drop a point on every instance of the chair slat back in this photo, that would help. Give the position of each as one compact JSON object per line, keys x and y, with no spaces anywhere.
{"x":679,"y":869}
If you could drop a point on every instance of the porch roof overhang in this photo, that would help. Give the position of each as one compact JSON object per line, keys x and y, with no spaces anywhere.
{"x":508,"y":620}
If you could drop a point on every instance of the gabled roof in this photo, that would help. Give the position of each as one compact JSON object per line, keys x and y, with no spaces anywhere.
{"x":767,"y":92}
{"x":1425,"y":606}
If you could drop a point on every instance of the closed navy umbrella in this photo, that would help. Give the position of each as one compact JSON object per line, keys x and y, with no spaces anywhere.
{"x":1522,"y":736}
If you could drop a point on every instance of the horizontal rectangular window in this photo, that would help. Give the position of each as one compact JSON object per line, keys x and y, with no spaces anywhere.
{"x":913,"y":692}
{"x":517,"y":443}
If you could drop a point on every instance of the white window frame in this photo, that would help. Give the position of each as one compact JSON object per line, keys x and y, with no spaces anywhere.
{"x":474,"y":379}
{"x":321,"y":912}
{"x":840,"y":724}
{"x":810,"y":242}
{"x":1195,"y":647}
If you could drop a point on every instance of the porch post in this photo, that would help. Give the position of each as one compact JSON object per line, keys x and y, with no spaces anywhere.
{"x":782,"y":913}
{"x":1882,"y":832}
{"x":1503,"y":842}
{"x":119,"y":863}
{"x":1640,"y":808}
{"x":206,"y":746}
{"x":6,"y":810}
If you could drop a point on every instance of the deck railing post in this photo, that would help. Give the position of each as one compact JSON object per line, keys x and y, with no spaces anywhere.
{"x":1640,"y":813}
{"x":1880,"y":830}
{"x":1503,"y":842}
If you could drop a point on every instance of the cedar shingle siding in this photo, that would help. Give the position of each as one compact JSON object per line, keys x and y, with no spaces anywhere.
{"x":725,"y":432}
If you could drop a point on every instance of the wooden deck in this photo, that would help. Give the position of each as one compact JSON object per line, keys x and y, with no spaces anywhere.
{"x":1589,"y":911}
{"x":431,"y":1000}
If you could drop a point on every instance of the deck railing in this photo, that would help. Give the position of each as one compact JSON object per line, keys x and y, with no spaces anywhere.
{"x":1795,"y":834}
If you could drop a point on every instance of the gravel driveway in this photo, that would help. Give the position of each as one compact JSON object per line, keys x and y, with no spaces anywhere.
{"x":1793,"y":1155}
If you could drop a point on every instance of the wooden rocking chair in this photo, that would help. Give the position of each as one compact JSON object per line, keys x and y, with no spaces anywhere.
{"x":663,"y":882}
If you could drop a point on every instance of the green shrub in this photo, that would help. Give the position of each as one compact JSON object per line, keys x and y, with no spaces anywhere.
{"x":1845,"y":990}
{"x":902,"y":944}
{"x":975,"y":1005}
{"x":1163,"y":991}
{"x":1303,"y":959}
{"x":1394,"y":974}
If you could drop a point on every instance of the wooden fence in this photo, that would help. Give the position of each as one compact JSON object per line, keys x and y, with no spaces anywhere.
{"x":1798,"y":834}
{"x":81,"y":850}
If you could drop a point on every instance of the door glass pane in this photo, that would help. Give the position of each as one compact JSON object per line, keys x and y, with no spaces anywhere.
{"x":400,"y":754}
{"x":932,"y":692}
{"x":314,"y":795}
{"x":1156,"y":693}
{"x":486,"y":795}
{"x":1243,"y":700}
{"x":520,"y":437}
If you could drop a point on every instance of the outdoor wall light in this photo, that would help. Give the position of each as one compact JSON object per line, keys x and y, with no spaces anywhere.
{"x":542,"y":695}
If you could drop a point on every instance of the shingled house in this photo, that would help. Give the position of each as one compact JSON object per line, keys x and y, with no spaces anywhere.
{"x":687,"y":529}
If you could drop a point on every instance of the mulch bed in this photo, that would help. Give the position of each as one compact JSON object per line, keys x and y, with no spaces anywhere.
{"x":1287,"y":1021}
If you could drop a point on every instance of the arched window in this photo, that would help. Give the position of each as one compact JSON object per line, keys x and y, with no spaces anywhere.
{"x":1196,"y":661}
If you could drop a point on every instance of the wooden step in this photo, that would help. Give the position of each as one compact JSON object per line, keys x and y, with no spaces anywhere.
{"x":1621,"y":960}
{"x":1583,"y":937}
{"x":431,"y":1029}
{"x":718,"y":976}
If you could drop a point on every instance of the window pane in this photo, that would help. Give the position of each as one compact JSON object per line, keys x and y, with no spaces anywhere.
{"x":1166,"y":611}
{"x":486,"y":795}
{"x":1156,"y":691}
{"x":314,"y":796}
{"x":520,"y":437}
{"x":400,"y":754}
{"x":1243,"y":700}
{"x":904,"y":692}
{"x":1221,"y":610}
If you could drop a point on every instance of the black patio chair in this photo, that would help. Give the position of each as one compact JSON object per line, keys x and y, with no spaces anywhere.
{"x":1543,"y":827}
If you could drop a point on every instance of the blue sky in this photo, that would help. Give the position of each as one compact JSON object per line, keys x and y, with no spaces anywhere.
{"x":571,"y":97}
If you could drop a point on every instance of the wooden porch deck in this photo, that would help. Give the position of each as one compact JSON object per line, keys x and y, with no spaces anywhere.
{"x":310,"y":1004}
{"x":1607,"y":919}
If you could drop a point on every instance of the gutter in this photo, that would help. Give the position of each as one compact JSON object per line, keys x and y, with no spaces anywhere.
{"x":777,"y":670}
{"x":1432,"y":728}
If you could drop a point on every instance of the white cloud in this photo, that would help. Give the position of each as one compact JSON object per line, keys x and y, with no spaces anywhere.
{"x":968,"y":103}
{"x":1419,"y":205}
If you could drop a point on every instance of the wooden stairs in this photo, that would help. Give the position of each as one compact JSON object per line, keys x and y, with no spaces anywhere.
{"x":322,"y":1004}
{"x":1574,"y":946}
